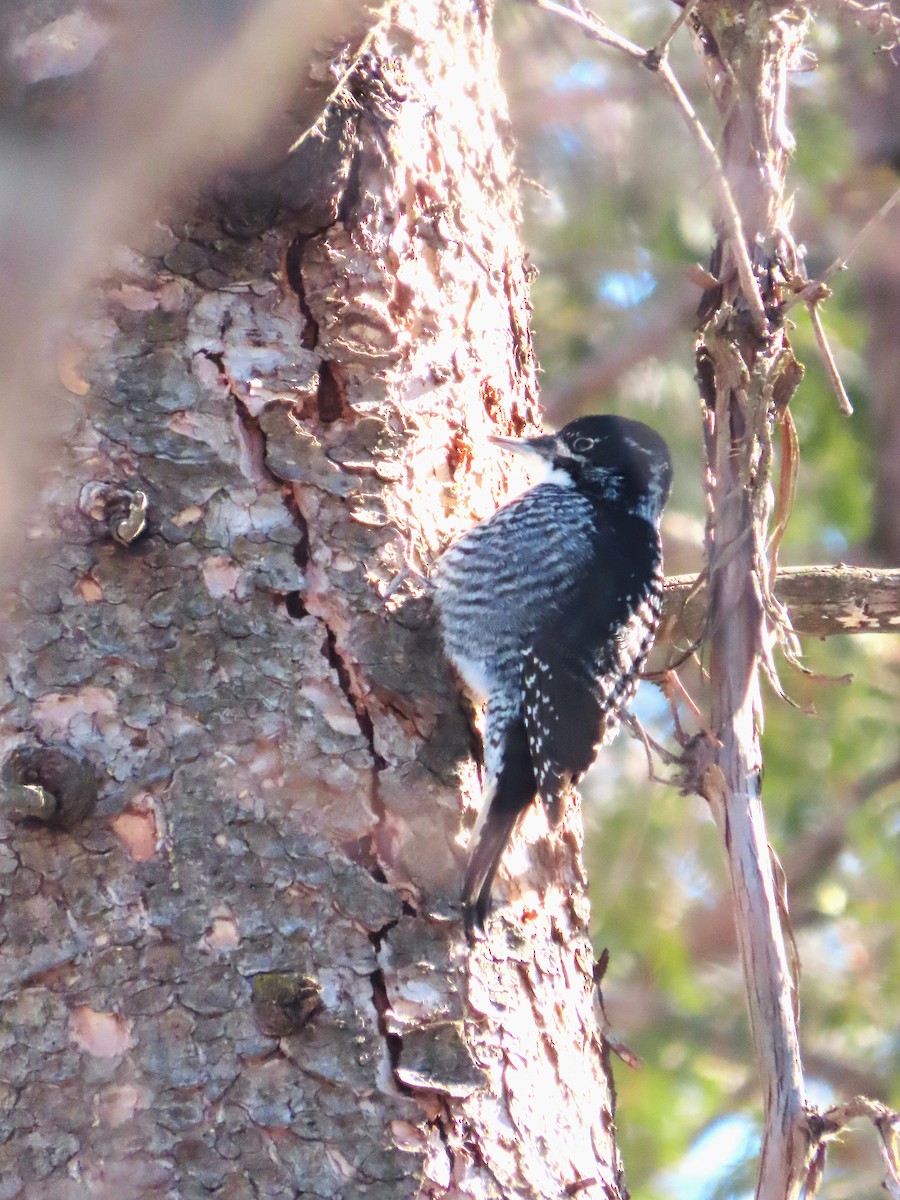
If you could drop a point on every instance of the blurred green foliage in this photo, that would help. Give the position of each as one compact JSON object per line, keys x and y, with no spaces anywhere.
{"x":617,"y":210}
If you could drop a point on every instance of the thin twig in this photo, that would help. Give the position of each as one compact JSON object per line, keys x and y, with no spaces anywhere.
{"x":779,"y":617}
{"x":886,"y":1123}
{"x":637,"y":731}
{"x":590,"y":24}
{"x":594,"y":28}
{"x":831,"y":367}
{"x":732,"y":216}
{"x":662,"y":46}
{"x":816,"y":289}
{"x":787,"y":488}
{"x":841,"y":261}
{"x":672,"y":677}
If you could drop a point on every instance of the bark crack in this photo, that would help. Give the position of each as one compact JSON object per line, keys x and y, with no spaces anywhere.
{"x":364,"y":854}
{"x":254,"y":438}
{"x":297,"y":608}
{"x":342,"y":673}
{"x":381,"y":1002}
{"x":256,"y":448}
{"x":248,"y":426}
{"x":365,"y":851}
{"x":330,"y":394}
{"x":442,"y":1124}
{"x":293,"y":273}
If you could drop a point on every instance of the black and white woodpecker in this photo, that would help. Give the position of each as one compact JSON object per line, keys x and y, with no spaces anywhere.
{"x":548,"y":610}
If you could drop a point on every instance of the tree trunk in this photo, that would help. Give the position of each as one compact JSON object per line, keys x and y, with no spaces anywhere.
{"x":234,"y":760}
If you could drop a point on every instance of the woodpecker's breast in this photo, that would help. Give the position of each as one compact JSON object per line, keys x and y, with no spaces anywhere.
{"x":507,"y":577}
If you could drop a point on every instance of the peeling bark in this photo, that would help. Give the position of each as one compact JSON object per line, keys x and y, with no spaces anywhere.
{"x":243,"y":972}
{"x":748,"y":377}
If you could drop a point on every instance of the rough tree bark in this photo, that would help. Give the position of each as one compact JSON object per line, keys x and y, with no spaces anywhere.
{"x":104,"y":117}
{"x":231,"y":961}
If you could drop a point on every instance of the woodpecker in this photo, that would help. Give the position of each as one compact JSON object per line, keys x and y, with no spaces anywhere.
{"x":548,"y":610}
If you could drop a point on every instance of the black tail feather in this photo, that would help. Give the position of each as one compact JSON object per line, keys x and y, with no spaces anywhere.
{"x":482,"y":869}
{"x":514,"y":792}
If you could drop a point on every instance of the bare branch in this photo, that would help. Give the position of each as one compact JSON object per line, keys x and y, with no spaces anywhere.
{"x":886,"y":1124}
{"x":823,"y":601}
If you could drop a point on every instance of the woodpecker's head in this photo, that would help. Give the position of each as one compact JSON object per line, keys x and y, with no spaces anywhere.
{"x":621,"y":459}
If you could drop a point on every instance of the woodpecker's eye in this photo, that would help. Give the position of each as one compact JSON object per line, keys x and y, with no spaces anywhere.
{"x":581,"y":445}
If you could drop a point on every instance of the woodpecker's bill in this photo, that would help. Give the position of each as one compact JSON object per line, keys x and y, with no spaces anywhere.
{"x":548,"y":611}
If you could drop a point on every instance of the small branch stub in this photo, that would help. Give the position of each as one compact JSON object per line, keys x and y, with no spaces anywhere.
{"x":122,"y":510}
{"x":48,"y":785}
{"x":27,"y":801}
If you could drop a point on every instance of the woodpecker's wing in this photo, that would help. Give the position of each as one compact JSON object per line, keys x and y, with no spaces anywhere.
{"x":581,"y":667}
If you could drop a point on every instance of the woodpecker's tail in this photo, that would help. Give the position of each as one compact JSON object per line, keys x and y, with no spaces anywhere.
{"x":514,"y":791}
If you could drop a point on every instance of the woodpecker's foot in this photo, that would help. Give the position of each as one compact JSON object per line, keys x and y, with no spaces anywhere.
{"x":474,"y":916}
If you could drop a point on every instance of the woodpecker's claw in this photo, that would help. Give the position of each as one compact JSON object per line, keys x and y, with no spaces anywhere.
{"x":484,"y":861}
{"x":474,"y":916}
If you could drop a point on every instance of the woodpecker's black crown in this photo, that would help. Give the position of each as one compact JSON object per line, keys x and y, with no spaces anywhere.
{"x":623,"y":459}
